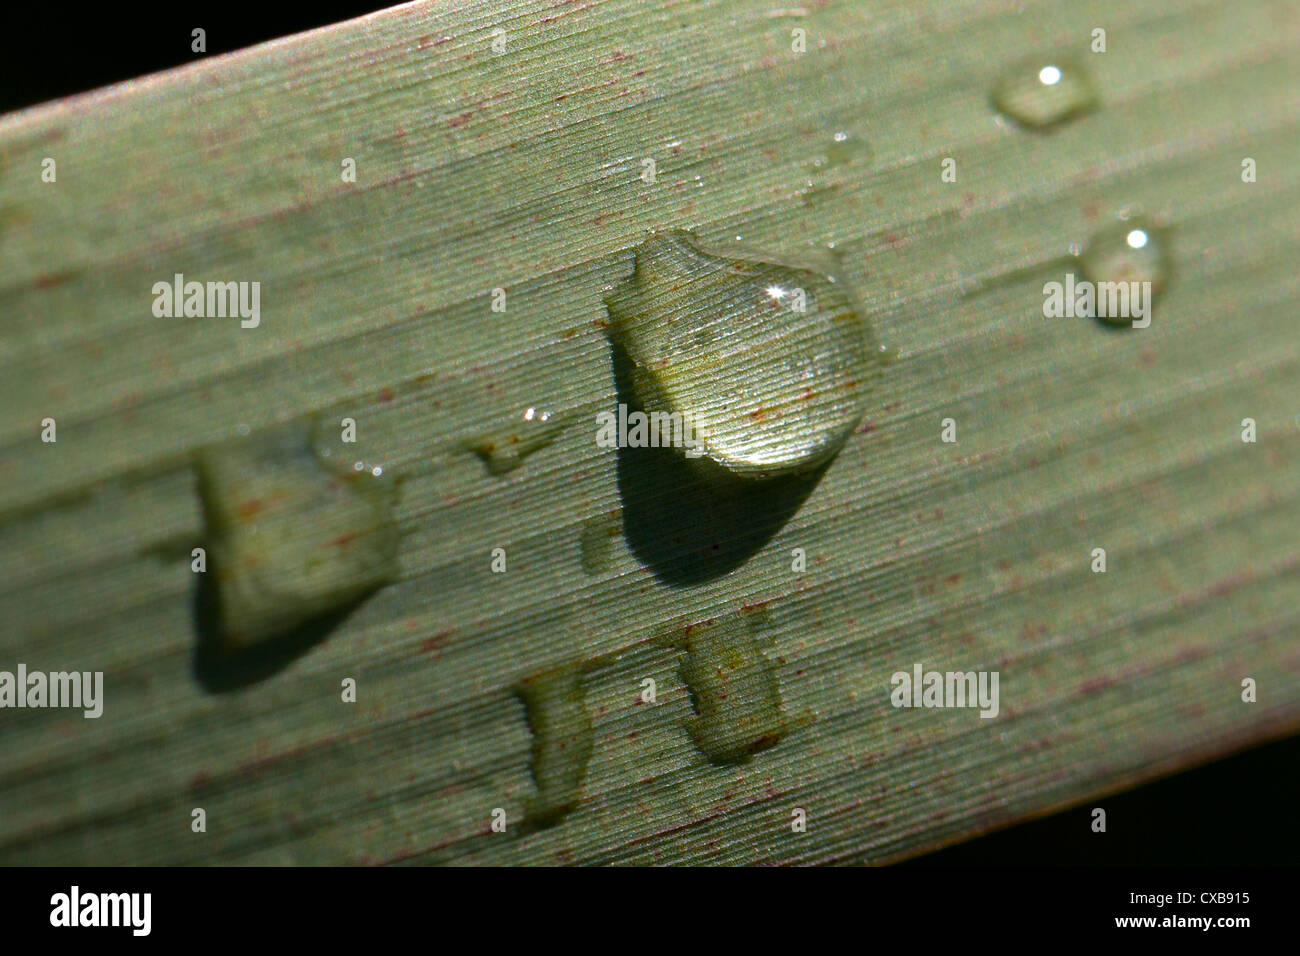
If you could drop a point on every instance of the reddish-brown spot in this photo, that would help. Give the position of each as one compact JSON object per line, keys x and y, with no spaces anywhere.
{"x":249,"y":507}
{"x":1095,"y":685}
{"x":435,"y":642}
{"x":52,"y":279}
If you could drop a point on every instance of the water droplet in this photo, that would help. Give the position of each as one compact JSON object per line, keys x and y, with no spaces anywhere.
{"x":504,"y":449}
{"x":734,"y":688}
{"x":1132,"y":249}
{"x":844,"y":148}
{"x":336,"y":455}
{"x":840,"y":149}
{"x":563,"y":740}
{"x":290,"y":536}
{"x":768,"y":359}
{"x":1039,"y":93}
{"x":597,"y":541}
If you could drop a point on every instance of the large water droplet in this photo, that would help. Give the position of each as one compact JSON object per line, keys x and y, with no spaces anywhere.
{"x":1043,"y":92}
{"x":767,"y":359}
{"x":290,"y":535}
{"x":1133,"y":249}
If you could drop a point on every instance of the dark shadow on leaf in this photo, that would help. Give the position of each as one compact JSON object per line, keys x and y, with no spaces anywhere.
{"x":693,"y":521}
{"x":220,"y":669}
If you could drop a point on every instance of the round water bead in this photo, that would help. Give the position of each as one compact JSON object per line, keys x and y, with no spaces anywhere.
{"x":1043,"y":92}
{"x":1132,"y":249}
{"x":767,"y":359}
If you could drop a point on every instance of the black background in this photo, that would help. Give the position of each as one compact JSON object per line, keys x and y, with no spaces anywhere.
{"x":1241,"y":810}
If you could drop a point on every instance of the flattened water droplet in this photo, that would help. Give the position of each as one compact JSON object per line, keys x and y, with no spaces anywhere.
{"x":841,"y":149}
{"x":1133,"y":249}
{"x":504,"y":449}
{"x":1043,"y":92}
{"x":734,"y":688}
{"x":557,"y":713}
{"x":767,"y":358}
{"x":291,"y":536}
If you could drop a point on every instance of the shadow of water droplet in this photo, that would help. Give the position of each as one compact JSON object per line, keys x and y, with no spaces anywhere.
{"x":693,"y":521}
{"x":220,"y":668}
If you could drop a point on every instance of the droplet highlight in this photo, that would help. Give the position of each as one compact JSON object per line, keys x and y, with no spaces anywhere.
{"x":769,"y":359}
{"x":1044,"y":92}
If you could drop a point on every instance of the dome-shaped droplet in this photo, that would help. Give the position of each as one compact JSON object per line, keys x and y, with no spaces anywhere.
{"x":766,"y":359}
{"x":1044,"y":91}
{"x":1130,"y":250}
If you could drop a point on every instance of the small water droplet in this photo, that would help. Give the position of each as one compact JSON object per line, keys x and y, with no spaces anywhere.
{"x":840,"y":149}
{"x":334,"y":454}
{"x":1132,"y":249}
{"x":1043,"y":92}
{"x":769,"y":359}
{"x":504,"y":449}
{"x":844,"y":148}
